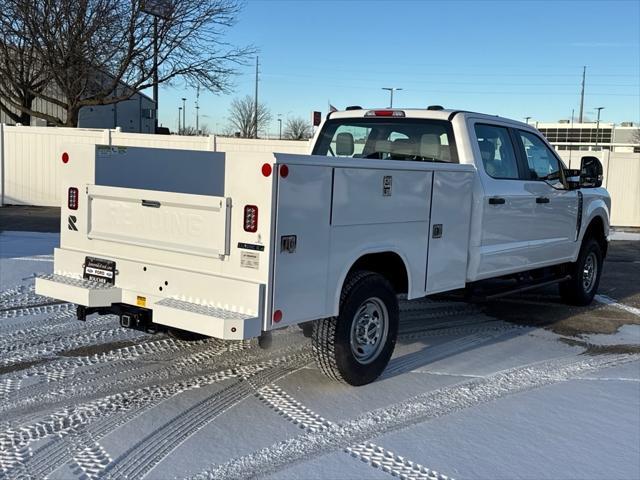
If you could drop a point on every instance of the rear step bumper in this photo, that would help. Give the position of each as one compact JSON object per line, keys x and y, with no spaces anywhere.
{"x":78,"y":291}
{"x":206,"y":320}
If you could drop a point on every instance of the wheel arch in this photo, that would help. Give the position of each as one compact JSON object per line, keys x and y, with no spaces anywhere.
{"x":597,"y":228}
{"x":386,"y":262}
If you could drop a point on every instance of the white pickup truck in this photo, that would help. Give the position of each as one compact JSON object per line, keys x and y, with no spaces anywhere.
{"x":415,"y":202}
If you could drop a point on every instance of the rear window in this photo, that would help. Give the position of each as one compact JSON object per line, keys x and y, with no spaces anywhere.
{"x":388,"y":139}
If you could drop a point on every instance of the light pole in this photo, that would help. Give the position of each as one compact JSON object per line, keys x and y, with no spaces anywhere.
{"x":158,"y":9}
{"x":179,"y":114}
{"x":391,"y":90}
{"x":598,"y":125}
{"x":280,"y":126}
{"x":184,"y":113}
{"x":526,"y":119}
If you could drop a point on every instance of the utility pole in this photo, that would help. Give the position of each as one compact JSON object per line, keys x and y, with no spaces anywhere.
{"x":184,"y":113}
{"x":391,"y":90}
{"x":598,"y":125}
{"x":584,"y":72}
{"x":198,"y":109}
{"x":255,"y":104}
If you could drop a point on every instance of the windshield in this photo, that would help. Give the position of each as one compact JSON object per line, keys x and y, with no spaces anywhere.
{"x":388,"y":139}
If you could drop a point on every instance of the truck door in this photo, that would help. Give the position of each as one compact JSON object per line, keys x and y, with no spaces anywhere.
{"x":506,"y":205}
{"x":555,"y":208}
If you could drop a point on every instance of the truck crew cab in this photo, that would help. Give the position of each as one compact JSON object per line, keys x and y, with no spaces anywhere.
{"x":391,"y":201}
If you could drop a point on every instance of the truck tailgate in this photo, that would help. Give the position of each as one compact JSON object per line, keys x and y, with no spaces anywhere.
{"x":178,"y":222}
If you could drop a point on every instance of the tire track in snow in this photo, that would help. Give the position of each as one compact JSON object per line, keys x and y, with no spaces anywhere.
{"x":41,"y":349}
{"x":75,"y":427}
{"x":147,"y":453}
{"x":466,"y":339}
{"x":404,"y":414}
{"x":90,"y":387}
{"x":283,"y":403}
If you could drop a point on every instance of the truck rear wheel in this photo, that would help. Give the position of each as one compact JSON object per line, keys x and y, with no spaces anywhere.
{"x":585,"y":276}
{"x":355,"y":347}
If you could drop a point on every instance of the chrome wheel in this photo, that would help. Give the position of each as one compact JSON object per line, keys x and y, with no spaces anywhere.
{"x":589,"y":272}
{"x":369,"y":330}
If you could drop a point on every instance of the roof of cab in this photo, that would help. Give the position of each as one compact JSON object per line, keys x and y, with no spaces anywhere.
{"x":444,"y":114}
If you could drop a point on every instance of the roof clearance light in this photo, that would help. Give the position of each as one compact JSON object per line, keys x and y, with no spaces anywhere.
{"x":384,"y":113}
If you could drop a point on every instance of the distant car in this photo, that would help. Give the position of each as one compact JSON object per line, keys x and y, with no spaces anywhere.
{"x":234,"y":245}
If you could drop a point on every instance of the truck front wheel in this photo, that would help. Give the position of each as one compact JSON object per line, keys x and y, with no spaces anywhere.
{"x":585,"y":275}
{"x":355,"y":347}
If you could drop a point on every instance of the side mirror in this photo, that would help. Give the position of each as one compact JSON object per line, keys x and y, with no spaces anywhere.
{"x":590,"y":172}
{"x":344,"y":144}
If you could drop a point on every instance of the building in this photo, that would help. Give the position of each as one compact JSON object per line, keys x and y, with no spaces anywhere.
{"x":565,"y":135}
{"x":135,"y":115}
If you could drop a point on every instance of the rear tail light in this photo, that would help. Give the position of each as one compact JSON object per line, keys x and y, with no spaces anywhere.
{"x":250,"y":218}
{"x":72,"y":198}
{"x":384,"y":113}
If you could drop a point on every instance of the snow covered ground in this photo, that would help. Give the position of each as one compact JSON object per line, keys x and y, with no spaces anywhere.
{"x":467,"y":395}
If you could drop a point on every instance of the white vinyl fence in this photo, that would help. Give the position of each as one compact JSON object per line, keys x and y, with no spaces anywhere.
{"x":30,"y":157}
{"x":30,"y":162}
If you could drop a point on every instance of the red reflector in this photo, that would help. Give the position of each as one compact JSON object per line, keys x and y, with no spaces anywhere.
{"x":384,"y":113}
{"x":277,"y":316}
{"x":72,"y":198}
{"x":284,"y":171}
{"x":65,"y":157}
{"x":266,"y":169}
{"x":250,"y":218}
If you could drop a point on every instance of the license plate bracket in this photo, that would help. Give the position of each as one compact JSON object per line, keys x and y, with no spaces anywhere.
{"x":99,"y":270}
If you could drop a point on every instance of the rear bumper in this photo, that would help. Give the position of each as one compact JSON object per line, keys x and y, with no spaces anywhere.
{"x":192,"y":301}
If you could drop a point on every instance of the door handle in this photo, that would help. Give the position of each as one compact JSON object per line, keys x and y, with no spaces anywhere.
{"x":542,"y":200}
{"x":496,"y":201}
{"x":151,"y":203}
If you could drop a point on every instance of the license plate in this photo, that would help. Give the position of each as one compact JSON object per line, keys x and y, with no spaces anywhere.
{"x":99,"y":270}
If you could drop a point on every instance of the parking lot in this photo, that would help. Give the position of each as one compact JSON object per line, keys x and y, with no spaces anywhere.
{"x":521,"y":387}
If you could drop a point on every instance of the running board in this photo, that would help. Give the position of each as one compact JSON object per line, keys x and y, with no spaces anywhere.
{"x":524,"y":288}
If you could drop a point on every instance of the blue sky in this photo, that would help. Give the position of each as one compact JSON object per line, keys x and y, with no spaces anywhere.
{"x":512,"y":58}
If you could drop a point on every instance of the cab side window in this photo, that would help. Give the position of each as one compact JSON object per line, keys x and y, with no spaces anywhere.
{"x":498,"y":154}
{"x":542,"y":163}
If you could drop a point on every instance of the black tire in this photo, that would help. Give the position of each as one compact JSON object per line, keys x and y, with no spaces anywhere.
{"x":579,"y":290}
{"x":185,"y":335}
{"x":332,"y":337}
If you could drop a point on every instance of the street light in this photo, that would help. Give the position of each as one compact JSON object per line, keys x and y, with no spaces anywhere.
{"x":280,"y":128}
{"x":526,"y":119}
{"x":598,"y":125}
{"x":158,"y":9}
{"x":391,"y":90}
{"x":179,"y":114}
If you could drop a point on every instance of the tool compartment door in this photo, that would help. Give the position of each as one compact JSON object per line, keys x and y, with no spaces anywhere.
{"x":178,"y":222}
{"x":301,"y":244}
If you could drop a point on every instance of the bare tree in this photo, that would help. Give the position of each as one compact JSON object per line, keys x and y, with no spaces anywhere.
{"x":100,"y":52}
{"x":190,"y":130}
{"x":22,"y":75}
{"x":242,"y":117}
{"x":297,"y":129}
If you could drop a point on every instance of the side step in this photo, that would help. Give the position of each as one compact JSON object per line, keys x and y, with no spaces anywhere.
{"x":206,"y":320}
{"x":498,"y":293}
